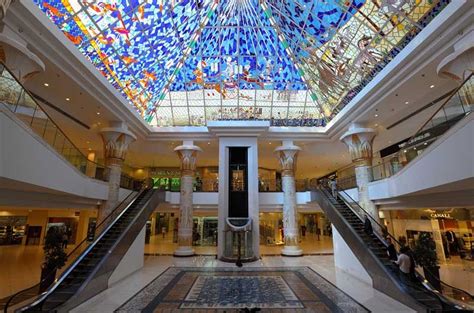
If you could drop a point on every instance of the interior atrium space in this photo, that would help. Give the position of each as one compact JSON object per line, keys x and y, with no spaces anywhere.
{"x":236,"y":156}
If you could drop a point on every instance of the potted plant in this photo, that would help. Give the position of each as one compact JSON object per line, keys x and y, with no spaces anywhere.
{"x":425,"y":255}
{"x":54,"y":257}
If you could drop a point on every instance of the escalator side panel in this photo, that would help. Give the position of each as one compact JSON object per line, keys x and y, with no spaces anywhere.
{"x":381,"y":279}
{"x":98,"y":281}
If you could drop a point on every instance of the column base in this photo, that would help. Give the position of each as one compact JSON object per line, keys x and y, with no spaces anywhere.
{"x":184,"y":251}
{"x":291,"y":251}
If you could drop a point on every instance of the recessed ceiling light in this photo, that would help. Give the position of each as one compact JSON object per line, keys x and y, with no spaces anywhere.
{"x":209,"y":143}
{"x":414,"y":148}
{"x":46,"y":84}
{"x":98,"y":113}
{"x":406,"y":102}
{"x":425,"y":143}
{"x":405,"y":151}
{"x":376,"y":125}
{"x":67,"y":99}
{"x":432,"y":86}
{"x":269,"y":143}
{"x":376,"y":115}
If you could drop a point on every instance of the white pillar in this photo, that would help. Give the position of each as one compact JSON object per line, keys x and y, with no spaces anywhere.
{"x":287,"y":155}
{"x":20,"y":60}
{"x":188,"y":155}
{"x":359,"y":141}
{"x":116,"y":140}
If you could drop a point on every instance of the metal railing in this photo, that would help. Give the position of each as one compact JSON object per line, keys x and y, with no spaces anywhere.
{"x":17,"y":99}
{"x":459,"y":297}
{"x":74,"y":254}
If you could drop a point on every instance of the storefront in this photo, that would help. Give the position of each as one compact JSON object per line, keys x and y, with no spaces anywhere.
{"x":451,"y":228}
{"x":12,"y":229}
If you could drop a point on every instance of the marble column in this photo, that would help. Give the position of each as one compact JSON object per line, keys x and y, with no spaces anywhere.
{"x":187,"y":154}
{"x":359,"y":142}
{"x":116,"y":141}
{"x":287,"y":155}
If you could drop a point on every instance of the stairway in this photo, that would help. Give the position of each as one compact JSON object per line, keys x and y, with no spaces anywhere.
{"x":370,"y":250}
{"x":89,"y":274}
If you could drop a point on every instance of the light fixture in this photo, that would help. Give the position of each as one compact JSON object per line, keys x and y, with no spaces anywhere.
{"x":425,"y":143}
{"x":376,"y":125}
{"x":376,"y":115}
{"x":269,"y":143}
{"x":432,"y":86}
{"x":414,"y":148}
{"x":46,"y":84}
{"x":406,"y":102}
{"x":67,"y":99}
{"x":98,"y":113}
{"x":208,"y":142}
{"x":404,"y":151}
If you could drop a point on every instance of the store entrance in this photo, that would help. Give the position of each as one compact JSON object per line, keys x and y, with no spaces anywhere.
{"x":162,"y":233}
{"x":315,"y":234}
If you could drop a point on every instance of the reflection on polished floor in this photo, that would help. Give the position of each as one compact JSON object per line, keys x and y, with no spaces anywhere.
{"x":310,"y":245}
{"x":118,"y":294}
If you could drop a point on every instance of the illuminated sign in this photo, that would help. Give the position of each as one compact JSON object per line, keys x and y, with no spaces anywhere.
{"x":440,"y":215}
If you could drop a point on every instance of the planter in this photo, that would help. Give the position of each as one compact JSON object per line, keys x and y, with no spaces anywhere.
{"x":432,"y":276}
{"x":47,"y":279}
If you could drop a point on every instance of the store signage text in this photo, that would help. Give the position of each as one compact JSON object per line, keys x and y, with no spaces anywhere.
{"x":440,"y":215}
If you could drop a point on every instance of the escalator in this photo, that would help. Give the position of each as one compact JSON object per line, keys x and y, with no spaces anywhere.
{"x":370,"y":250}
{"x":89,"y":273}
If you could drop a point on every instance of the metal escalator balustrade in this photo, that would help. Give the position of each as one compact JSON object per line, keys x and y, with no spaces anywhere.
{"x":447,"y":299}
{"x":33,"y":291}
{"x":90,"y":264}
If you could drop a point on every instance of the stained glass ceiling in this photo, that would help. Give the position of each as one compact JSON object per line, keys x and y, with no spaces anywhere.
{"x":187,"y":62}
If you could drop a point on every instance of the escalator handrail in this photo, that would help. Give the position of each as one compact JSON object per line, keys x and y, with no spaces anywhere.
{"x":395,"y":240}
{"x":129,"y":198}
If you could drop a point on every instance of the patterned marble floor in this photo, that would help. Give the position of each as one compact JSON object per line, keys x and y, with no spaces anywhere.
{"x":271,"y":289}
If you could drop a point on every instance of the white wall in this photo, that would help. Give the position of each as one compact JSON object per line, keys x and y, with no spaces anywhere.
{"x":449,"y":159}
{"x":264,"y":199}
{"x":345,"y":260}
{"x":27,"y":158}
{"x":132,"y":260}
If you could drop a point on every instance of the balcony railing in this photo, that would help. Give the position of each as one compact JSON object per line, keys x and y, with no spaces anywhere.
{"x":20,"y":102}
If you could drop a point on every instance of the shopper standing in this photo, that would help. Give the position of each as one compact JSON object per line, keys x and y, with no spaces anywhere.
{"x":404,"y":263}
{"x":391,"y":251}
{"x":65,"y":240}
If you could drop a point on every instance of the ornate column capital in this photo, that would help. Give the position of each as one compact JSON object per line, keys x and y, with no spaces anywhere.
{"x":4,"y":4}
{"x":188,"y":155}
{"x":116,"y":141}
{"x":459,"y":64}
{"x":287,"y":155}
{"x":20,"y":60}
{"x":359,"y":141}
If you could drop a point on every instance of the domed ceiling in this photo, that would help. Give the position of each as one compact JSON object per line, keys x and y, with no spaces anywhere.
{"x":295,"y":63}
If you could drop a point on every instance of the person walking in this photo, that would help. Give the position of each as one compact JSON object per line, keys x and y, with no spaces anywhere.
{"x":65,"y":240}
{"x":391,"y":251}
{"x":368,"y":226}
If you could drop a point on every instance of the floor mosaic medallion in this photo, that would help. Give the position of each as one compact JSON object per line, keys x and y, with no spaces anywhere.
{"x":240,"y":290}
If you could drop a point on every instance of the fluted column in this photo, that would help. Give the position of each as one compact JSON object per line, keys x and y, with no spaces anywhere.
{"x":359,"y":142}
{"x":287,"y":155}
{"x":187,"y":154}
{"x":116,"y":140}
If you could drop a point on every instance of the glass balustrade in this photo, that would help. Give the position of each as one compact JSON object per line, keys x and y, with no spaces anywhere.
{"x":20,"y":102}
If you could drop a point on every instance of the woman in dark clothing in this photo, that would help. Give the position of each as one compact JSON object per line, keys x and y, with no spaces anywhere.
{"x":368,"y":226}
{"x":391,"y":251}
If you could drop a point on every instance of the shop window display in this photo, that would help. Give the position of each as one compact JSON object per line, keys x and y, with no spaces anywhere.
{"x":12,"y":229}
